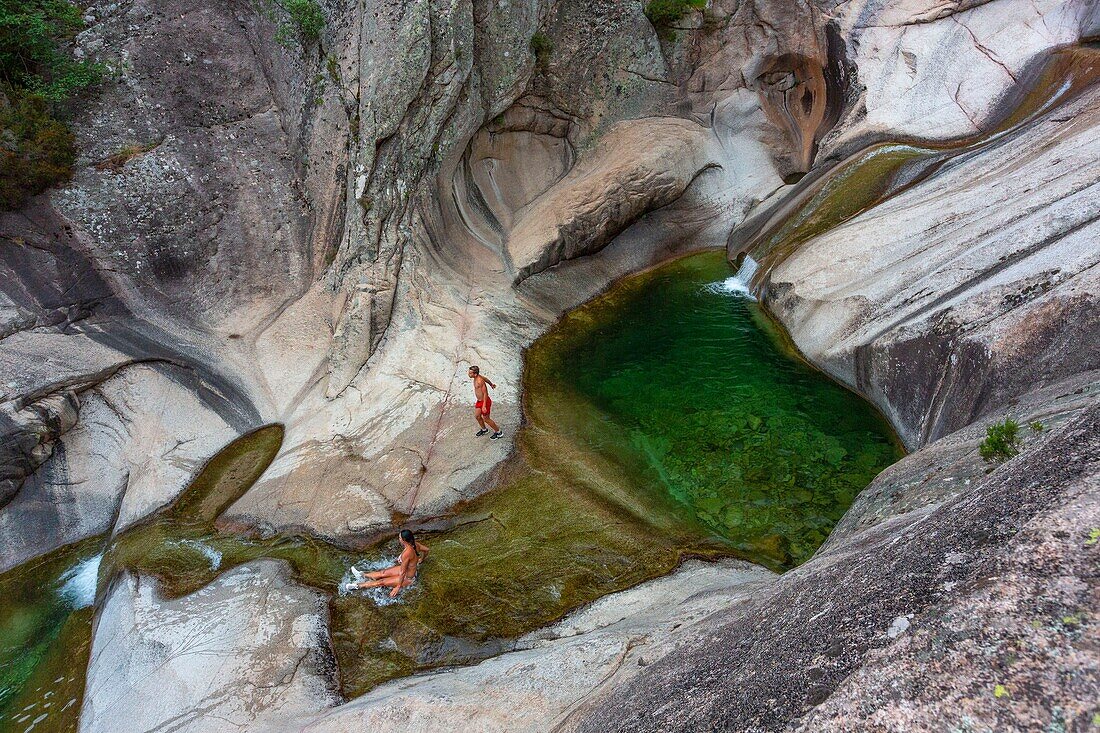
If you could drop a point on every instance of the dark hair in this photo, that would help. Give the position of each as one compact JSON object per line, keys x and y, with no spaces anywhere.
{"x":475,"y":369}
{"x":408,"y":537}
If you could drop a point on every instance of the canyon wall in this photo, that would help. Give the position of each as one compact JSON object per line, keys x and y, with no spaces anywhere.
{"x":326,"y":233}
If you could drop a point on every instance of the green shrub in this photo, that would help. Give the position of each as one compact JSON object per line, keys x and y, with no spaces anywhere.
{"x":38,"y":76}
{"x":667,"y":12}
{"x":542,"y":47}
{"x":1037,"y":426}
{"x":304,"y":20}
{"x":1001,"y":441}
{"x":36,"y":149}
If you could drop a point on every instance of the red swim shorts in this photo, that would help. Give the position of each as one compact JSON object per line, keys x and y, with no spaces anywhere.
{"x":484,"y":405}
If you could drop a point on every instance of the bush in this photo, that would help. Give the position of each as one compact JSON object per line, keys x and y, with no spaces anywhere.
{"x":1001,"y":441}
{"x":37,"y":78}
{"x":31,"y":57}
{"x":305,"y":19}
{"x":542,"y":47}
{"x":36,"y":149}
{"x":667,"y":12}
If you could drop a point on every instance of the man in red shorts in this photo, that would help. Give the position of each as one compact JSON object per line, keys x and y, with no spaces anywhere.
{"x":484,"y":404}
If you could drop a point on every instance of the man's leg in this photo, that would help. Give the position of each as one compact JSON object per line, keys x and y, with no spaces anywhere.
{"x":480,"y":421}
{"x":493,"y":425}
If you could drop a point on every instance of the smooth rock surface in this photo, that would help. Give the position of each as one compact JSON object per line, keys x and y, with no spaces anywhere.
{"x":966,"y":290}
{"x":247,"y":652}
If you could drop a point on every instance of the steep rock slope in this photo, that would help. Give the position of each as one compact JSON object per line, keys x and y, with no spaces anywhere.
{"x":966,"y":290}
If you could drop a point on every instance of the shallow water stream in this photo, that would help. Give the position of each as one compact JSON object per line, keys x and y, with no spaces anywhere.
{"x":667,"y":418}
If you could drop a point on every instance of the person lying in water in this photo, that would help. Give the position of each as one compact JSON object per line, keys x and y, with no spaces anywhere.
{"x":401,"y":575}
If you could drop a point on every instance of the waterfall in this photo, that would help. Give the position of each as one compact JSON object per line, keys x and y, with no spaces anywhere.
{"x":78,"y":583}
{"x":740,"y":284}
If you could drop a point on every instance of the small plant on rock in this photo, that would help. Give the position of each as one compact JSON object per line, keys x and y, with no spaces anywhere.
{"x":117,"y":161}
{"x":663,"y":13}
{"x":1001,"y":441}
{"x":542,"y":47}
{"x":1037,"y":426}
{"x":305,"y":20}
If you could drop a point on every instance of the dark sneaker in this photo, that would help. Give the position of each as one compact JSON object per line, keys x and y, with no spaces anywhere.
{"x":481,"y":432}
{"x":497,"y":436}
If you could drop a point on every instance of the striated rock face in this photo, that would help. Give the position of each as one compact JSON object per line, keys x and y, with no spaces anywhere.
{"x":965,"y":291}
{"x":639,"y":167}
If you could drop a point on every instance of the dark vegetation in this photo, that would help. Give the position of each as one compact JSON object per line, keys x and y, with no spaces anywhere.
{"x":663,"y":13}
{"x":1001,"y":441}
{"x":305,"y":20}
{"x":542,"y":47}
{"x":38,"y":78}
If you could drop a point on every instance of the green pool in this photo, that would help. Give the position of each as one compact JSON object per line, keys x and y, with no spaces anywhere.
{"x":687,"y":382}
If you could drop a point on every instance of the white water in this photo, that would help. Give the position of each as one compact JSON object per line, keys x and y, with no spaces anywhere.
{"x":739,"y":284}
{"x":380,"y":596}
{"x":78,"y":583}
{"x":212,"y":555}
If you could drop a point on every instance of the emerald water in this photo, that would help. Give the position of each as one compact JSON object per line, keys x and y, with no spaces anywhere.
{"x":667,"y":418}
{"x":690,"y":383}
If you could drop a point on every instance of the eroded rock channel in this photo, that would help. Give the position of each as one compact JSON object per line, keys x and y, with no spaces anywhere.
{"x":669,"y":419}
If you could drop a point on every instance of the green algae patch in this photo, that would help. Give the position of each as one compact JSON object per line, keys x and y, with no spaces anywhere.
{"x":227,"y":476}
{"x":864,"y":182}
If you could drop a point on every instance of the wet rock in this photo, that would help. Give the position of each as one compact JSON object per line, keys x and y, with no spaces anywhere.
{"x":248,"y":651}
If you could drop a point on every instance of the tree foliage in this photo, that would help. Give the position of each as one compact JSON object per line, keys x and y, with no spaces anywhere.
{"x":666,"y":12}
{"x":305,"y":19}
{"x":38,"y":76}
{"x":1001,"y":441}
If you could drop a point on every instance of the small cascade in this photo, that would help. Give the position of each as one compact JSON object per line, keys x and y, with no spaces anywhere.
{"x":212,"y":555}
{"x":78,"y":583}
{"x":740,"y":284}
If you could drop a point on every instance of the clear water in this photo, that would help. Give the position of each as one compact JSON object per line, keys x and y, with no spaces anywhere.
{"x":45,"y":635}
{"x":696,"y":392}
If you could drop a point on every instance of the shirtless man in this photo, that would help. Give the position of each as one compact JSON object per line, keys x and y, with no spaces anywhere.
{"x":484,"y":405}
{"x":401,"y":575}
